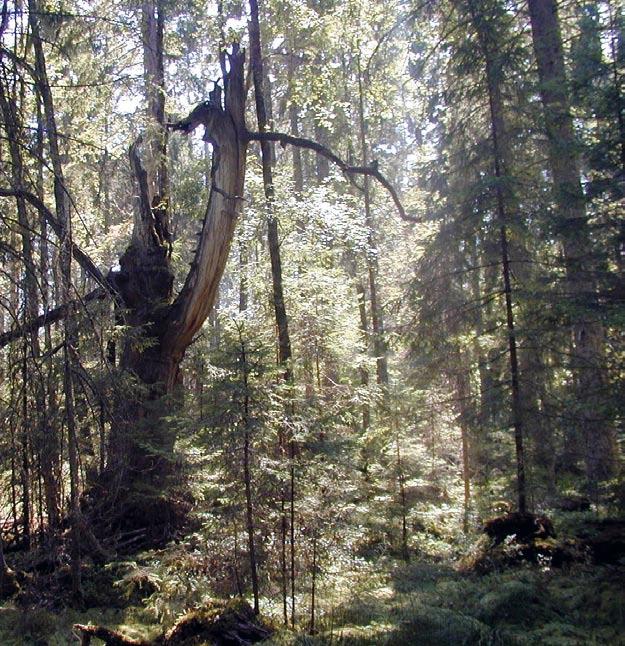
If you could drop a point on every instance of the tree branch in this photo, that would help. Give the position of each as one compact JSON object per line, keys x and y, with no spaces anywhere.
{"x":371,"y":171}
{"x":81,"y":257}
{"x":52,"y":316}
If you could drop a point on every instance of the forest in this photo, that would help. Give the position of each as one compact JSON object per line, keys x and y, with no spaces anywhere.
{"x":312,"y":322}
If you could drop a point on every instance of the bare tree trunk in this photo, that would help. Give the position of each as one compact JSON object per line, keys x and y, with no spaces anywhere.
{"x":377,"y":321}
{"x":497,"y":127}
{"x":247,"y":476}
{"x":600,"y":448}
{"x":616,"y":18}
{"x":282,"y":321}
{"x":364,"y":330}
{"x":50,"y":441}
{"x":70,"y":339}
{"x":463,"y":395}
{"x":401,"y":483}
{"x":298,"y":168}
{"x":313,"y":589}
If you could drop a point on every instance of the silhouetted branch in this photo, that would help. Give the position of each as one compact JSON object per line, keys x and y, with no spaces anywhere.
{"x":371,"y":170}
{"x":53,"y":316}
{"x":78,"y":254}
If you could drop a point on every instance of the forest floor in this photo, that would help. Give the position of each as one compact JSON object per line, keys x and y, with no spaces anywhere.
{"x":428,"y":601}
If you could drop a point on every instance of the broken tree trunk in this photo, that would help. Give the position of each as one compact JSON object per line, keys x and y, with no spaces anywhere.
{"x":163,"y":326}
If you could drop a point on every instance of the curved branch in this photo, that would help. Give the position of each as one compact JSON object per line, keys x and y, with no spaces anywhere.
{"x":81,"y":257}
{"x":371,"y":171}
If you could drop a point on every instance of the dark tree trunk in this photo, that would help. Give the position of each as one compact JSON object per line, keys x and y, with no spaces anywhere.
{"x":70,"y":331}
{"x":503,"y":197}
{"x":247,"y":478}
{"x":597,"y":433}
{"x":364,"y":373}
{"x":377,"y":320}
{"x":282,"y":320}
{"x":463,"y":396}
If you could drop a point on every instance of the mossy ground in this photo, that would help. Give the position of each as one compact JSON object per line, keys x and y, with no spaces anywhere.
{"x":430,"y":604}
{"x":419,"y":603}
{"x":430,"y":601}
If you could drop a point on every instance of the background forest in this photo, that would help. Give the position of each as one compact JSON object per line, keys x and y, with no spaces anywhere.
{"x":365,"y":372}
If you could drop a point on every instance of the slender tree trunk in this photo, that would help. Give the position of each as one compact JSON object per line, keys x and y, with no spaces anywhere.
{"x":237,"y":577}
{"x":313,"y":588}
{"x":298,"y":168}
{"x":284,"y":576}
{"x":497,"y":127}
{"x":377,"y":320}
{"x":364,"y":373}
{"x":292,"y":528}
{"x":401,"y":483}
{"x":50,"y":441}
{"x":70,"y":339}
{"x":282,"y":322}
{"x":517,"y":414}
{"x":247,"y":475}
{"x":616,"y":21}
{"x":463,"y":395}
{"x":600,"y":449}
{"x":484,"y":414}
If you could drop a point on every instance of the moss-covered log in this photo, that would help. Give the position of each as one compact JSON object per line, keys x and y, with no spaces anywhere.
{"x":230,"y":623}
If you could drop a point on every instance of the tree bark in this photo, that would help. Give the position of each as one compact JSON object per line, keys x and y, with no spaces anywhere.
{"x":247,"y":477}
{"x":600,"y":448}
{"x":282,"y":320}
{"x":463,"y":396}
{"x":70,"y":332}
{"x":492,"y":69}
{"x":377,"y":321}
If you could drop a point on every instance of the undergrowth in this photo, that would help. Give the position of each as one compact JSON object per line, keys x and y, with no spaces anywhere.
{"x":381,"y":600}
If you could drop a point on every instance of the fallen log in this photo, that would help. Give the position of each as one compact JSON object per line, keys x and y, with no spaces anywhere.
{"x":109,"y":637}
{"x":231,"y":623}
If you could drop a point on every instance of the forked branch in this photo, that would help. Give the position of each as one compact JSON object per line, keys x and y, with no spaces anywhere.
{"x":371,"y":170}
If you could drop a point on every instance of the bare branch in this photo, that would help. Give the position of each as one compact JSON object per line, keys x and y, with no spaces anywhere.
{"x":371,"y":170}
{"x":81,"y":257}
{"x":53,"y":316}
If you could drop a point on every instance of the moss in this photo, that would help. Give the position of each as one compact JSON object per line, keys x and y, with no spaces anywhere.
{"x":558,"y":633}
{"x":31,"y":626}
{"x":222,"y":623}
{"x":514,"y":602}
{"x":435,"y":626}
{"x":361,"y":610}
